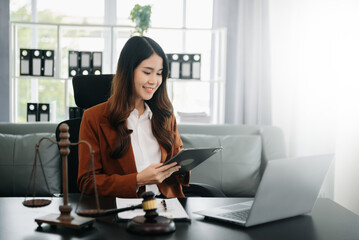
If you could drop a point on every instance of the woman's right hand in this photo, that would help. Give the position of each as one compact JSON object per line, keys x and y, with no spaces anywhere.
{"x":155,"y":174}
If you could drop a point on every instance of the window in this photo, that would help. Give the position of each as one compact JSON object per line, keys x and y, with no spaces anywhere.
{"x":79,"y":25}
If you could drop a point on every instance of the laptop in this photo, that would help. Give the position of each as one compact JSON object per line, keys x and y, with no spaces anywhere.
{"x":289,"y":187}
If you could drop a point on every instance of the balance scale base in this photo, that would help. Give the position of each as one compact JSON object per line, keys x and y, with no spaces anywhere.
{"x":76,"y":222}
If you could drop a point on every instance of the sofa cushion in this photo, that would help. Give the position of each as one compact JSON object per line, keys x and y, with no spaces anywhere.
{"x":235,"y":170}
{"x":16,"y":164}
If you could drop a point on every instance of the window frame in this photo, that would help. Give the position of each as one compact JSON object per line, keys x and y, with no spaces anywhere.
{"x":110,"y":5}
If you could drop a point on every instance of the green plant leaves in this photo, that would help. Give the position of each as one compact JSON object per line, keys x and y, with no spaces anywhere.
{"x":141,"y":16}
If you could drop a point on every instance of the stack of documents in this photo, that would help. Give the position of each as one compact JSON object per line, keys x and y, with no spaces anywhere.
{"x":173,"y":210}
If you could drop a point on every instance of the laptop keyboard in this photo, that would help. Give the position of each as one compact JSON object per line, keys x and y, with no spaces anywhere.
{"x":241,"y":215}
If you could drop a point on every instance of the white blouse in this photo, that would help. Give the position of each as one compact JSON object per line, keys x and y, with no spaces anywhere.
{"x":145,"y":147}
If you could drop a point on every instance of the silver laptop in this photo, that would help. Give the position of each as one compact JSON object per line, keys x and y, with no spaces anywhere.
{"x":289,"y":187}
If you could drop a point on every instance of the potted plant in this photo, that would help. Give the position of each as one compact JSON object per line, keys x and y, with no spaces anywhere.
{"x":141,"y":16}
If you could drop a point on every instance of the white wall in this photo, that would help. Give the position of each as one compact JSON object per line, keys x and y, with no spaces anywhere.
{"x":346,"y":62}
{"x":4,"y":61}
{"x":315,"y":57}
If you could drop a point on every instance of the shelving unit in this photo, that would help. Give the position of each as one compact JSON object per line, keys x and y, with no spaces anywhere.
{"x":188,"y":95}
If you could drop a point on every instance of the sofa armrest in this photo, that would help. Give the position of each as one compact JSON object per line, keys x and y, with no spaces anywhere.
{"x":202,"y":190}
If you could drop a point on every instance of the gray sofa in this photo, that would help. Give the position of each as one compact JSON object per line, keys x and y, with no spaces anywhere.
{"x":17,"y":147}
{"x":237,"y":169}
{"x":234,"y":172}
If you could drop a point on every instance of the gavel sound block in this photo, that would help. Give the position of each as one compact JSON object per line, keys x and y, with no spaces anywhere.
{"x":151,"y":223}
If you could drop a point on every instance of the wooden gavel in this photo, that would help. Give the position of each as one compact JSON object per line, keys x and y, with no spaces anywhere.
{"x":149,"y":205}
{"x":151,"y":223}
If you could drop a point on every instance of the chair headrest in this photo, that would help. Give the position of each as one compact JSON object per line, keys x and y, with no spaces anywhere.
{"x":91,"y":90}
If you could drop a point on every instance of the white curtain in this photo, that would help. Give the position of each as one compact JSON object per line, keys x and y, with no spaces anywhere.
{"x":315,"y":86}
{"x":309,"y":83}
{"x":248,"y":93}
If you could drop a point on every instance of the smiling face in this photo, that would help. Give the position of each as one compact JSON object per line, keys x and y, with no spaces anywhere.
{"x":147,"y":79}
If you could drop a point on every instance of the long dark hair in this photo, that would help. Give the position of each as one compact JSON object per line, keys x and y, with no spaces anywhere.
{"x":122,"y":100}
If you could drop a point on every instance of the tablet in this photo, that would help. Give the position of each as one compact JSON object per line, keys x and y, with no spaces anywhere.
{"x":190,"y":158}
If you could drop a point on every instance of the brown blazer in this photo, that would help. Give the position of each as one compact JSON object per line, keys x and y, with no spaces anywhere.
{"x":117,"y":177}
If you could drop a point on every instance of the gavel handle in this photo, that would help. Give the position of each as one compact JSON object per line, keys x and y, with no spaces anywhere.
{"x":101,"y":212}
{"x":117,"y":210}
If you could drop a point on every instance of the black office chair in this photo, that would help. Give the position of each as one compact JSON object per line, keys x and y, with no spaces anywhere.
{"x":89,"y":91}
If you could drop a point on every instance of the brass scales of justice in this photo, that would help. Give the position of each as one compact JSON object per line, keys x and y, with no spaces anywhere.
{"x":150,"y":223}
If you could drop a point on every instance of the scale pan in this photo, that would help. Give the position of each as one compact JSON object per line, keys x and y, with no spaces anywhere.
{"x":36,"y":203}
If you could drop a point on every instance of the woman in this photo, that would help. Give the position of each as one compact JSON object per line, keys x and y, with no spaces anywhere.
{"x":135,"y":131}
